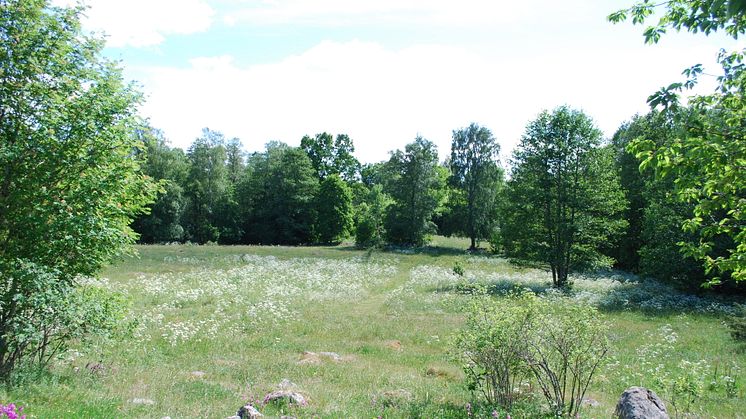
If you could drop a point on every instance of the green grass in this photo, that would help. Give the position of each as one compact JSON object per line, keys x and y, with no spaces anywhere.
{"x":361,"y":305}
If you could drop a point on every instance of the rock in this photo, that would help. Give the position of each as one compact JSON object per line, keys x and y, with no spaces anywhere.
{"x":198,"y":374}
{"x":291,"y":397}
{"x":95,"y":368}
{"x":146,"y":402}
{"x":331,"y":355}
{"x":640,"y":403}
{"x":249,"y":412}
{"x":286,"y":384}
{"x":309,"y":358}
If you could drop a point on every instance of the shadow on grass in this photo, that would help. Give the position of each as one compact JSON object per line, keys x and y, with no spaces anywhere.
{"x":628,"y":294}
{"x":433,"y":251}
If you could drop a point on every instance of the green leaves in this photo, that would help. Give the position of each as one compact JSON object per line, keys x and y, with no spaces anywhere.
{"x":564,"y":201}
{"x":415,"y":186}
{"x":70,"y":180}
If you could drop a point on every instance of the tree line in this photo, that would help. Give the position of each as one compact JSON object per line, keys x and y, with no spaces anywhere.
{"x":570,"y":200}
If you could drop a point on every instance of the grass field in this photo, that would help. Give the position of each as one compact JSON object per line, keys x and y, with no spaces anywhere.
{"x":219,"y":326}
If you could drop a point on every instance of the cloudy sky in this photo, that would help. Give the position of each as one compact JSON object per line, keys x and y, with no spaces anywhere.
{"x":384,"y":71}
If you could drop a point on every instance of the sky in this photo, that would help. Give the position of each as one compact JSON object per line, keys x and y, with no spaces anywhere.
{"x":385,"y":71}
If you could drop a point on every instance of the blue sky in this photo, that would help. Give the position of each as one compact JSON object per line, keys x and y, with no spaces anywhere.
{"x":384,"y":71}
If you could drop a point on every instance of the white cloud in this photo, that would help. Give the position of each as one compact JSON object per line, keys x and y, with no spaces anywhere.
{"x":140,"y":23}
{"x":382,"y":97}
{"x":347,"y":12}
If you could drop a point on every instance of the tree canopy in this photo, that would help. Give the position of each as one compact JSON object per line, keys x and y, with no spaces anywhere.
{"x":415,"y":186}
{"x":708,"y":165}
{"x":564,"y":199}
{"x":70,"y":180}
{"x":477,"y":176}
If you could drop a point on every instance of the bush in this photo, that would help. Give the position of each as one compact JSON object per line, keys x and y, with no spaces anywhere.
{"x":491,"y":346}
{"x":523,"y":338}
{"x":43,"y":314}
{"x":565,"y":351}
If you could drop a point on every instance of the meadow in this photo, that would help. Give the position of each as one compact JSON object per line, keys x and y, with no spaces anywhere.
{"x":361,"y":334}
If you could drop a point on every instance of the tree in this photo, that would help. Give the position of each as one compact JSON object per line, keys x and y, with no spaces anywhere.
{"x":564,"y":199}
{"x":278,"y":195}
{"x":654,"y":215}
{"x":333,"y":210}
{"x":708,"y":166}
{"x":207,"y":186}
{"x":415,"y":187}
{"x":331,"y":156}
{"x":370,"y":230}
{"x":170,"y":167}
{"x":476,"y":174}
{"x":234,"y":161}
{"x":69,"y":179}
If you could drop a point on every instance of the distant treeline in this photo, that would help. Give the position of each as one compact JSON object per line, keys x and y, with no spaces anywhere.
{"x":572,"y":200}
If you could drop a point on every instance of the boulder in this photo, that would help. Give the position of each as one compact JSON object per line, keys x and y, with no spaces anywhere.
{"x":291,"y":397}
{"x":249,"y":412}
{"x":640,"y":403}
{"x":287,"y":392}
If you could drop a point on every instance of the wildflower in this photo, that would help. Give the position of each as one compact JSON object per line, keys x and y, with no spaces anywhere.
{"x":11,"y":412}
{"x":495,"y":414}
{"x":468,"y":409}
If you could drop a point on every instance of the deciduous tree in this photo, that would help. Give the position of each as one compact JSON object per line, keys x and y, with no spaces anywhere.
{"x":564,"y":199}
{"x":708,"y":166}
{"x":416,"y":187}
{"x":476,"y":174}
{"x":70,"y":180}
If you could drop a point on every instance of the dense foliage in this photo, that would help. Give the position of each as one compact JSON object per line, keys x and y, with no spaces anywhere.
{"x":706,"y":165}
{"x":477,"y":179}
{"x":69,"y":179}
{"x":564,"y":201}
{"x":415,"y":186}
{"x":527,"y":340}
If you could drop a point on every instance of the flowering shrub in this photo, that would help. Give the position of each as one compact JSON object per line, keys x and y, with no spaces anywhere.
{"x":11,"y":411}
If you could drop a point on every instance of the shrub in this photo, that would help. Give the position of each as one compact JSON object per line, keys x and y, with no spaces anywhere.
{"x":492,"y":343}
{"x":70,"y":182}
{"x":44,"y":314}
{"x":565,"y":351}
{"x":525,"y":338}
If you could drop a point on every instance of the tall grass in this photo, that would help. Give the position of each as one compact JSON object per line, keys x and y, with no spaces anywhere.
{"x":216,"y":327}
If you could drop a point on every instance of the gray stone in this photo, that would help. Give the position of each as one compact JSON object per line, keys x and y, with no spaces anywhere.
{"x":146,"y":402}
{"x":640,"y":403}
{"x":288,"y":396}
{"x":249,"y":412}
